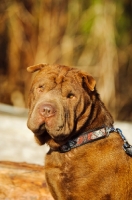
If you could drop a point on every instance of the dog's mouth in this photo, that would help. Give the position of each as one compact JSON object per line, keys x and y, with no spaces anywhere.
{"x":57,"y":136}
{"x":60,"y":138}
{"x":40,"y":130}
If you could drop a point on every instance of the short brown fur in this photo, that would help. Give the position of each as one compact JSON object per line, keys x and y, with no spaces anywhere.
{"x":63,"y":102}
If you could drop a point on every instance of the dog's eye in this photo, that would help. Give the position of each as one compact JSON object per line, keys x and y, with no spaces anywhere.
{"x":41,"y":88}
{"x":70,"y":96}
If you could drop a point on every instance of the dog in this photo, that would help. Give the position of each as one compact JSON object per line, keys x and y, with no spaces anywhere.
{"x":86,"y":160}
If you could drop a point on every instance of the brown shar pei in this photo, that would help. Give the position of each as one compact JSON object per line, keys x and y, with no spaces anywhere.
{"x":84,"y":162}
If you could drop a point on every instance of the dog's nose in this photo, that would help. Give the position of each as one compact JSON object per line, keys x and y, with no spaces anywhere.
{"x":47,"y":110}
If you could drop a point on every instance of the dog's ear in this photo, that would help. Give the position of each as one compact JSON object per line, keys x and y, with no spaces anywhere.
{"x":89,"y":81}
{"x":86,"y":80}
{"x":35,"y":68}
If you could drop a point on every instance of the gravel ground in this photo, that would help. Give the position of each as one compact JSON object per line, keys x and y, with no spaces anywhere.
{"x":17,"y":142}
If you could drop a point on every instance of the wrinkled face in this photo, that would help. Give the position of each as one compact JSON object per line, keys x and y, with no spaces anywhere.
{"x":59,"y":101}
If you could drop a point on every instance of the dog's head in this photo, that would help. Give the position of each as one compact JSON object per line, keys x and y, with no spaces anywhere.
{"x":60,"y":101}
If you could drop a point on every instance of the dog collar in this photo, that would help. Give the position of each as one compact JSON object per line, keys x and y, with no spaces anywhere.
{"x":93,"y":135}
{"x":86,"y":137}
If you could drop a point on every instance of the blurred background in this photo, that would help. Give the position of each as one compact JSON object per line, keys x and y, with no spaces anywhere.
{"x":92,"y":35}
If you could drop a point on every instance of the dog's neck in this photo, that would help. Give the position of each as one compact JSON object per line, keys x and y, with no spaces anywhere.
{"x":100,"y":116}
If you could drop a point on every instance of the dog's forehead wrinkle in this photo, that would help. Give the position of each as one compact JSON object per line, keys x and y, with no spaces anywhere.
{"x":58,"y":76}
{"x":61,"y":76}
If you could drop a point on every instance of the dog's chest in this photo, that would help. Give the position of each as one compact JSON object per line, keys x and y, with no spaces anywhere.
{"x":59,"y":164}
{"x":58,"y":171}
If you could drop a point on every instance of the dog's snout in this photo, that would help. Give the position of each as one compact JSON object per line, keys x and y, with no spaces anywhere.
{"x":47,"y":110}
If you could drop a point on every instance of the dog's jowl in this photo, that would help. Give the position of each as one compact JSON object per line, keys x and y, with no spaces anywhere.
{"x":86,"y":160}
